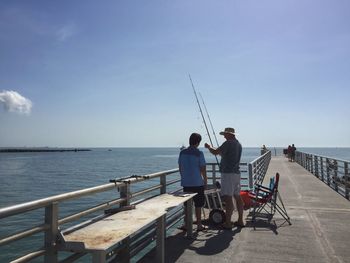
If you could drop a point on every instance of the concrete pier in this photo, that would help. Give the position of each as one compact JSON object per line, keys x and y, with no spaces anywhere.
{"x":320,"y":230}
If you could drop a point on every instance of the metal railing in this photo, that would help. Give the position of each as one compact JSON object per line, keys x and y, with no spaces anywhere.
{"x":52,"y":222}
{"x":131,"y":190}
{"x":333,"y":172}
{"x":258,"y":168}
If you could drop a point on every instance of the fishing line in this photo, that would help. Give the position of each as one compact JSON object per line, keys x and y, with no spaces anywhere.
{"x":200,"y":110}
{"x":211,"y":125}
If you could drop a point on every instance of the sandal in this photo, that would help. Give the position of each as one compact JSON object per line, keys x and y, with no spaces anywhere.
{"x":238,"y":224}
{"x":202,"y":228}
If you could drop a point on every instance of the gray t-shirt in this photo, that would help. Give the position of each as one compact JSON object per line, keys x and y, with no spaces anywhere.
{"x":231,"y":152}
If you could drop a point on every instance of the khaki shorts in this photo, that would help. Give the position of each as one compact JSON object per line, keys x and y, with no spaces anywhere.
{"x":230,"y":184}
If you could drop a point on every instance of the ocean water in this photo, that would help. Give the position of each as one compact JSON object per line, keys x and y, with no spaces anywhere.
{"x":30,"y":176}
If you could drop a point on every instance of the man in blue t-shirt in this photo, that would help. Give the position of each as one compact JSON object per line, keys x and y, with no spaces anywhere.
{"x":193,"y":174}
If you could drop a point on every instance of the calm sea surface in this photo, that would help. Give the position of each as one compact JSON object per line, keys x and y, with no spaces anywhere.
{"x":29,"y":176}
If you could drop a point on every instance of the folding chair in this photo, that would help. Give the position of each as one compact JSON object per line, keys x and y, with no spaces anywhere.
{"x":268,"y":200}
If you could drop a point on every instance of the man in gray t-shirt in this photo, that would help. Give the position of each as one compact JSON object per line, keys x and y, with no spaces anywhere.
{"x":230,"y":151}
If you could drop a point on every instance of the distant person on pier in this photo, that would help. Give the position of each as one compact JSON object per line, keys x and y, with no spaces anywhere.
{"x":263,"y":150}
{"x":193,"y":173}
{"x":292,"y":153}
{"x":289,"y":153}
{"x":230,"y":151}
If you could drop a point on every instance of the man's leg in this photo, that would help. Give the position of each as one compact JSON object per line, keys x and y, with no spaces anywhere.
{"x":240,"y":206}
{"x":199,"y":203}
{"x":199,"y":217}
{"x":228,"y":208}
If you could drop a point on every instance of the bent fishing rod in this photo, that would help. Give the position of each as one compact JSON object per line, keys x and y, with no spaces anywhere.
{"x":200,"y":110}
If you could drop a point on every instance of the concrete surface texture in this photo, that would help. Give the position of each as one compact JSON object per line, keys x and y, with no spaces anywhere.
{"x":320,"y":230}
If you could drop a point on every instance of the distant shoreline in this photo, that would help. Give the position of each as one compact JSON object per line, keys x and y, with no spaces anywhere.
{"x":16,"y":150}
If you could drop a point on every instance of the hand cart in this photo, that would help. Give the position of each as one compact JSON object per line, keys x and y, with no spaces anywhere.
{"x":214,"y":204}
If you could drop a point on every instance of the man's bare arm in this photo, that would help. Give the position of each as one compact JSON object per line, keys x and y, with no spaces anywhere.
{"x":212,"y":150}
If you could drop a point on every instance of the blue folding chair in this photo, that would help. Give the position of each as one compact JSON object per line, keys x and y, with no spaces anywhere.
{"x":267,"y":201}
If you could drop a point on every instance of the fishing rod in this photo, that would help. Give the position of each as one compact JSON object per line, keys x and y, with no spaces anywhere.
{"x":211,"y":125}
{"x":200,"y":109}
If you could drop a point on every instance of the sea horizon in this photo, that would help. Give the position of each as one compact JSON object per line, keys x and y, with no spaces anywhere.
{"x":160,"y":147}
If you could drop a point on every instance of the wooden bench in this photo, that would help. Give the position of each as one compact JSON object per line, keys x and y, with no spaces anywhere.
{"x":101,"y":236}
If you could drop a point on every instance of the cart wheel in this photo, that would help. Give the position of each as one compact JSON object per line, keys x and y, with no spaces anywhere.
{"x":216,"y":216}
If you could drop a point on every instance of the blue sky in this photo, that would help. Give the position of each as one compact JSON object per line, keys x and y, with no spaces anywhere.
{"x":115,"y":73}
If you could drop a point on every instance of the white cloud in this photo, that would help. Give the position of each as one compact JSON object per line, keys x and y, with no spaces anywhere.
{"x":66,"y":32}
{"x":14,"y":102}
{"x":21,"y":22}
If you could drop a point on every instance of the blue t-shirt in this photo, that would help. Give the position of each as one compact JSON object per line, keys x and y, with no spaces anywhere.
{"x":190,"y":162}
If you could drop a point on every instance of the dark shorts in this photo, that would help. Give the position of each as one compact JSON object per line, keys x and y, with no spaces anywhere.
{"x":199,"y":198}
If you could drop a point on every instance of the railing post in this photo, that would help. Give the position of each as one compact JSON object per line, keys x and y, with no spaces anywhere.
{"x":161,"y":235}
{"x":163,"y":184}
{"x":51,"y":219}
{"x":307,"y":161}
{"x":335,"y":176}
{"x":255,"y":172}
{"x":301,"y":159}
{"x":316,"y":166}
{"x":250,"y":175}
{"x":328,"y":172}
{"x":297,"y":157}
{"x":322,"y":170}
{"x":213,"y":173}
{"x":267,"y":161}
{"x":125,"y":193}
{"x":346,"y":179}
{"x":125,"y":251}
{"x":312,"y":164}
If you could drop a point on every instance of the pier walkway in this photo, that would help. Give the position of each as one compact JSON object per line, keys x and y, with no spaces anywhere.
{"x":320,"y":230}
